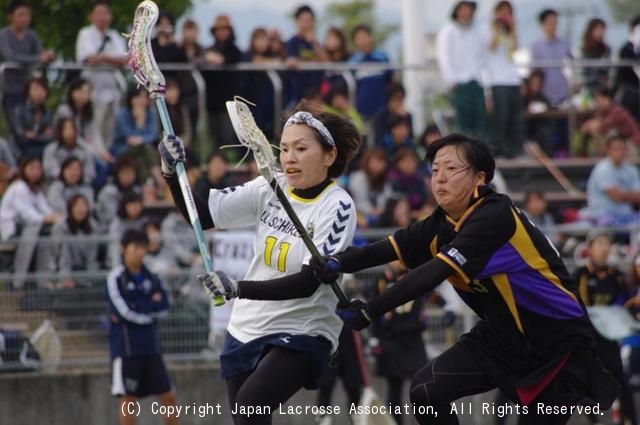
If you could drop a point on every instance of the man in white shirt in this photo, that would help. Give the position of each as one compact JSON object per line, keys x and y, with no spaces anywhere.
{"x":459,"y":50}
{"x":105,"y":49}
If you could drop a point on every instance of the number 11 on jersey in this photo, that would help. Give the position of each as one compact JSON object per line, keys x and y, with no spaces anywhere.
{"x":283,"y":248}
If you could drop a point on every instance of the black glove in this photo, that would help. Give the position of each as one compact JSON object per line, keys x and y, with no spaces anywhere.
{"x":355,"y":315}
{"x":327,"y":269}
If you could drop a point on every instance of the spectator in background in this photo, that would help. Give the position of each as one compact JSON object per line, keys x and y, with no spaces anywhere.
{"x":32,"y":121}
{"x":221,"y":85}
{"x":459,"y":52}
{"x":75,"y":241}
{"x":130,"y":216}
{"x":407,"y":182}
{"x":504,"y":80}
{"x":66,"y":145}
{"x":19,"y":43}
{"x":397,"y":135}
{"x":371,"y":96}
{"x":369,"y":187}
{"x":610,"y":117}
{"x":165,"y":48}
{"x":276,"y":44}
{"x":258,"y":85}
{"x":195,"y":54}
{"x":627,"y":81}
{"x":534,"y":206}
{"x":430,"y":134}
{"x":8,"y":164}
{"x":395,"y":106}
{"x":601,"y":284}
{"x":337,"y":102}
{"x":159,"y":258}
{"x":178,"y":114}
{"x":125,"y":179}
{"x":216,"y":176}
{"x":68,"y":184}
{"x":540,"y":128}
{"x":552,"y":48}
{"x":613,"y":188}
{"x":177,"y":234}
{"x":136,"y":132}
{"x":594,"y":47}
{"x":101,"y":47}
{"x":136,"y":298}
{"x":26,"y":214}
{"x":335,"y":46}
{"x":303,"y":47}
{"x":397,"y":212}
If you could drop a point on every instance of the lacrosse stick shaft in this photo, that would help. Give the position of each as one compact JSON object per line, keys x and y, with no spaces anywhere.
{"x":188,"y":196}
{"x":284,"y":201}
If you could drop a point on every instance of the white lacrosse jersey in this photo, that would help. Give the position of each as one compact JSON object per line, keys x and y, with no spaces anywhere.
{"x":330,"y":219}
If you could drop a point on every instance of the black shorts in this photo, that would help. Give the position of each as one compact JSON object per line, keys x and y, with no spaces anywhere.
{"x":139,"y":376}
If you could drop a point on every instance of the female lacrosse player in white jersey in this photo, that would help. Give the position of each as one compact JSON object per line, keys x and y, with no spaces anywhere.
{"x":283,"y":326}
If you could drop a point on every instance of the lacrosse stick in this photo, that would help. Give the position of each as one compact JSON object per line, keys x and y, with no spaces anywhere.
{"x":147,"y":74}
{"x":253,"y":138}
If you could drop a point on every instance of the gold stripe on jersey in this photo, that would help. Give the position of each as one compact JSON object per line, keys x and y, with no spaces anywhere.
{"x":457,"y":268}
{"x":504,"y":287}
{"x":392,"y":240}
{"x":582,"y":289}
{"x":522,"y":243}
{"x":433,"y":246}
{"x":308,"y":200}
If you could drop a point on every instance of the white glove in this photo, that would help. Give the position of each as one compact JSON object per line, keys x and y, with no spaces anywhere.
{"x":219,"y":284}
{"x":171,"y":149}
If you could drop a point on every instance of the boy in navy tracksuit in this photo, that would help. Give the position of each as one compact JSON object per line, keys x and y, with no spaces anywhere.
{"x":136,"y":297}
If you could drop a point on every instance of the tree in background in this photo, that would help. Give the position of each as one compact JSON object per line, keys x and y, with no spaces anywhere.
{"x":57,"y":22}
{"x":351,"y":13}
{"x":624,"y":10}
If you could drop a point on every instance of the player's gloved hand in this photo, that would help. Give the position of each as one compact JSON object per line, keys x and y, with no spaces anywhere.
{"x":448,"y":319}
{"x":219,"y":284}
{"x":171,"y":149}
{"x":327,"y":269}
{"x":355,"y":315}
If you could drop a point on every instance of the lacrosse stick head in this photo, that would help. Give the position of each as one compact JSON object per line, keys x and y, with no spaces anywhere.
{"x":252,"y":137}
{"x":141,"y":60}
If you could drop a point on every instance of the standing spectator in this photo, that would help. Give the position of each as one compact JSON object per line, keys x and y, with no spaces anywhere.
{"x":130,"y":216}
{"x":395,"y":106}
{"x":19,"y":43}
{"x":125,"y":179}
{"x":407,"y":182}
{"x":369,"y":187}
{"x":32,"y":120}
{"x":221,"y":85}
{"x":66,"y":145}
{"x":75,"y":239}
{"x":401,"y":351}
{"x":610,"y":117}
{"x":601,"y":284}
{"x":371,"y":96}
{"x":504,"y":80}
{"x":136,"y":132}
{"x":303,"y":47}
{"x":552,"y":48}
{"x":216,"y":176}
{"x":594,"y":47}
{"x":276,"y":44}
{"x":68,"y":184}
{"x":136,"y":298}
{"x":613,"y":187}
{"x":195,"y":54}
{"x":627,"y":82}
{"x":459,"y":51}
{"x":335,"y":46}
{"x":99,"y":46}
{"x":26,"y":214}
{"x":79,"y":107}
{"x":165,"y":48}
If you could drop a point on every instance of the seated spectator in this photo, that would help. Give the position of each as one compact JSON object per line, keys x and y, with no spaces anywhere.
{"x":627,"y":80}
{"x":130,"y":217}
{"x":613,"y":188}
{"x":216,"y":176}
{"x":65,"y":146}
{"x":369,"y":187}
{"x":535,"y":207}
{"x":538,"y":129}
{"x":26,"y":214}
{"x":594,"y":47}
{"x":136,"y":133}
{"x":33,"y":122}
{"x":337,"y":102}
{"x":397,"y":213}
{"x":430,"y":134}
{"x":406,"y":181}
{"x":397,"y":135}
{"x":8,"y":158}
{"x":610,"y":117}
{"x":395,"y":106}
{"x":177,"y":235}
{"x":178,"y":114}
{"x":68,"y":184}
{"x":79,"y":107}
{"x":371,"y":97}
{"x":75,"y":241}
{"x":159,"y":258}
{"x":125,"y":179}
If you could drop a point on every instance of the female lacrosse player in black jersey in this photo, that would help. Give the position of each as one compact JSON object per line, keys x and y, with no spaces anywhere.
{"x":283,"y":326}
{"x":534,"y":340}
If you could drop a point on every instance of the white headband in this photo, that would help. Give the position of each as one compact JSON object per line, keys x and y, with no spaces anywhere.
{"x":303,"y":117}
